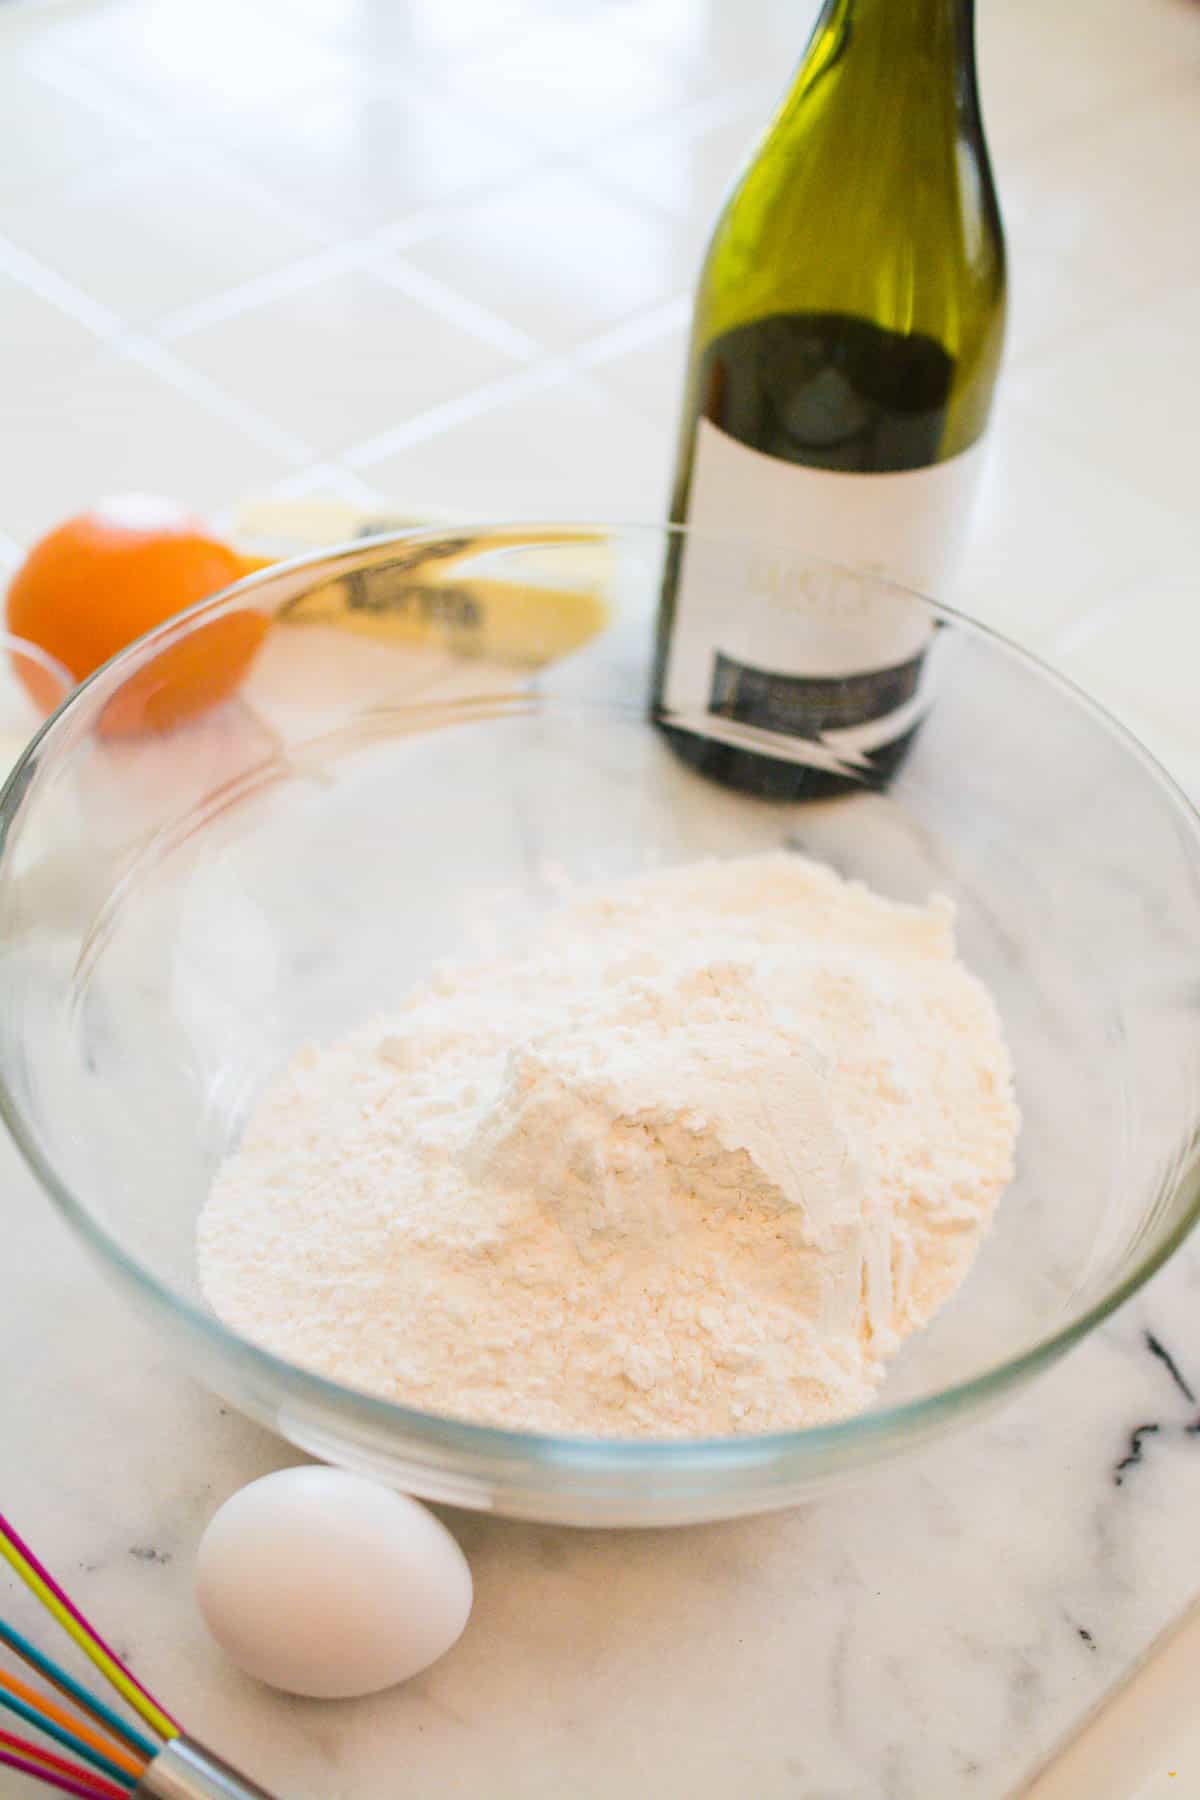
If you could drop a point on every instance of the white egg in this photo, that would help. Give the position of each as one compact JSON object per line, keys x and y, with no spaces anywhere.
{"x":326,"y":1584}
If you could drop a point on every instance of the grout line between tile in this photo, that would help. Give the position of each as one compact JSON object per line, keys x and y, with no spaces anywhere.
{"x":366,"y":252}
{"x":695,"y":118}
{"x":422,"y":77}
{"x":57,"y":292}
{"x":261,"y":290}
{"x":582,"y":361}
{"x":633,"y":334}
{"x":693,"y":115}
{"x":428,"y":291}
{"x":380,"y":252}
{"x":60,"y":72}
{"x":66,"y":70}
{"x":256,"y":426}
{"x":73,"y":80}
{"x":426,"y":221}
{"x":476,"y":404}
{"x":699,"y":118}
{"x":152,"y":350}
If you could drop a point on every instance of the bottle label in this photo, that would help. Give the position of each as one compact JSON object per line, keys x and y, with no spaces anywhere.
{"x":786,"y":635}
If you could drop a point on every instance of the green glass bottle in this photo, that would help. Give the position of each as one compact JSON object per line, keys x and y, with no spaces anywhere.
{"x":846,"y":340}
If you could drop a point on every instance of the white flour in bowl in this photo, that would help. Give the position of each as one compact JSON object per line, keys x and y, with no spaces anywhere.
{"x":694,"y":1162}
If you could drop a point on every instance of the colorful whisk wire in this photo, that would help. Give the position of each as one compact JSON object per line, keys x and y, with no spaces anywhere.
{"x":102,"y":1715}
{"x":109,"y":1759}
{"x":45,"y":1716}
{"x":64,"y":1780}
{"x":57,"y":1765}
{"x":41,"y":1583}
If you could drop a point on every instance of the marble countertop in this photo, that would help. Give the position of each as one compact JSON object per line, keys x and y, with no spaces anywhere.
{"x":933,"y":1633}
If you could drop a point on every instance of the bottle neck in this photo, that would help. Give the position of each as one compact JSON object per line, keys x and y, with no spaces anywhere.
{"x":901,"y":43}
{"x":901,"y":24}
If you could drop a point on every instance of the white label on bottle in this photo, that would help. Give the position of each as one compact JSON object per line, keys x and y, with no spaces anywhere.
{"x":784,"y":638}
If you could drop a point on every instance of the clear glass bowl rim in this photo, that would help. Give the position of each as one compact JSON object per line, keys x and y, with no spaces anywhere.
{"x":13,"y":646}
{"x":492,"y":1443}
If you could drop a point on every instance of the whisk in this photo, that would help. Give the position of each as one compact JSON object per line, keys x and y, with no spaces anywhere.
{"x":106,"y":1758}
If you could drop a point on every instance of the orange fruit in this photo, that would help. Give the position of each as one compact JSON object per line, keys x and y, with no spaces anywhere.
{"x":103,"y":578}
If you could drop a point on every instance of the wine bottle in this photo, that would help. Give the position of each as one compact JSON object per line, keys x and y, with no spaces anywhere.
{"x":846,"y":339}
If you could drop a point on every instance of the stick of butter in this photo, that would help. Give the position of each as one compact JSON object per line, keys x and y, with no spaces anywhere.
{"x":523,"y":600}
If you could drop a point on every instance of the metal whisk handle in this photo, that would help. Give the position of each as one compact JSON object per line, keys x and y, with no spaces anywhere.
{"x":184,"y":1770}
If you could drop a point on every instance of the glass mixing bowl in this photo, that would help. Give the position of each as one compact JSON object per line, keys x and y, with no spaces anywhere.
{"x":441,"y":728}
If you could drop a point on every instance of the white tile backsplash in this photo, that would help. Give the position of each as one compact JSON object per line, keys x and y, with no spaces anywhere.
{"x":177,"y":65}
{"x":561,"y":256}
{"x":36,"y":339}
{"x":755,"y":37}
{"x":577,"y":80}
{"x":104,"y":424}
{"x":361,"y":154}
{"x":646,"y":376}
{"x":49,"y":136}
{"x":421,"y":37}
{"x":339,"y":360}
{"x":564,"y":450}
{"x":156,"y":230}
{"x":685,"y":167}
